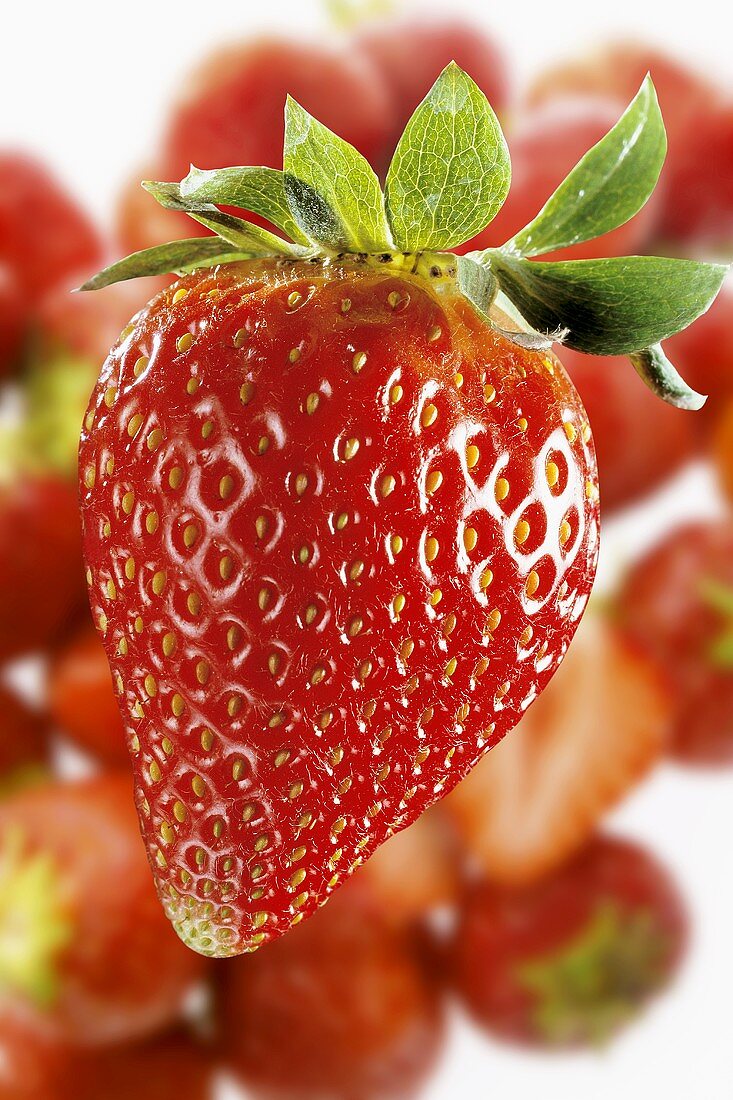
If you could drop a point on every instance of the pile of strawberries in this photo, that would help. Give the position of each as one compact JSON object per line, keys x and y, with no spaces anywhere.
{"x":506,"y":896}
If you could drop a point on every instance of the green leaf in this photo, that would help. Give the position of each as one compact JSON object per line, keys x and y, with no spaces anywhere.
{"x":608,"y":307}
{"x":450,"y":172}
{"x":476,"y":282}
{"x":607,"y":187}
{"x":333,"y":193}
{"x":663,"y":379}
{"x":259,"y":190}
{"x":177,"y":256}
{"x":236,"y":231}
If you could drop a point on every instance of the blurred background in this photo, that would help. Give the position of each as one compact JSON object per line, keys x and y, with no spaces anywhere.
{"x":561,"y":922}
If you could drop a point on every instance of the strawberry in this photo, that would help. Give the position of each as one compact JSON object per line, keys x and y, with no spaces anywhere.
{"x":31,"y":1065}
{"x":676,"y":605}
{"x":431,"y":44}
{"x":23,"y":743}
{"x":81,"y":700}
{"x":341,"y":1008}
{"x":640,"y":443}
{"x":546,"y":144}
{"x":40,"y":560}
{"x":54,"y":241}
{"x":568,"y":961}
{"x":699,"y":205}
{"x":598,"y":729}
{"x":86,"y":955}
{"x":723,"y":450}
{"x":340,"y":511}
{"x":164,"y":1068}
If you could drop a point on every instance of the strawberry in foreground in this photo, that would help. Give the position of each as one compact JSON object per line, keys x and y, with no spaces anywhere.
{"x":599,"y":728}
{"x":86,"y":955}
{"x":570,"y":960}
{"x":676,"y":605}
{"x":340,"y":510}
{"x":342,"y":1008}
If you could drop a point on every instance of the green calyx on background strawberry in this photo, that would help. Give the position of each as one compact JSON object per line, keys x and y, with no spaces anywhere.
{"x":339,"y":497}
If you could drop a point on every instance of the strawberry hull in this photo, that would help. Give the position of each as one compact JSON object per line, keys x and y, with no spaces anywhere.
{"x":339,"y":534}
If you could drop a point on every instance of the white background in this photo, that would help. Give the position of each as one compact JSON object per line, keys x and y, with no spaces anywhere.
{"x":85,"y":84}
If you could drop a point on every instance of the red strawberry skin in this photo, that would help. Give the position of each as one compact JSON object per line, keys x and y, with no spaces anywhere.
{"x":339,"y":534}
{"x":614,"y":911}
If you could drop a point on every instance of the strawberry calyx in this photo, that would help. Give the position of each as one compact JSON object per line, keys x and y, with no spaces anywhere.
{"x":596,"y":983}
{"x":449,"y":177}
{"x":34,"y":928}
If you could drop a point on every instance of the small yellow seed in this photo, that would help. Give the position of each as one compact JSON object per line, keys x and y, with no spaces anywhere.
{"x":473,"y":454}
{"x":501,"y":489}
{"x":183,"y":343}
{"x":433,"y":481}
{"x":226,"y":486}
{"x":429,"y":416}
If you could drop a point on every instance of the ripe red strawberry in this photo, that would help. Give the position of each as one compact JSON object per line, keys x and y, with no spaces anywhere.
{"x":86,"y":954}
{"x":40,"y":561}
{"x":45,"y":238}
{"x":23,"y":743}
{"x":640,"y":442}
{"x":430,"y":45}
{"x":545,"y":146}
{"x":294,"y":454}
{"x":82,"y":701}
{"x":340,"y":1008}
{"x":570,"y":960}
{"x":676,"y":604}
{"x":596,"y":731}
{"x":341,"y":523}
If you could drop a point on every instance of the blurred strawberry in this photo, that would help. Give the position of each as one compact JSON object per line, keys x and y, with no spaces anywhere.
{"x":13,"y":320}
{"x":142,"y":223}
{"x":82,"y":701}
{"x":23,"y":744}
{"x":538,"y":797}
{"x":640,"y":441}
{"x":45,"y":238}
{"x":615,"y":72}
{"x":571,"y":959}
{"x":703,"y":355}
{"x":31,"y":1066}
{"x":161,"y":1069}
{"x":723,"y":450}
{"x":430,"y":44}
{"x":231,"y":111}
{"x":339,"y":1008}
{"x":676,"y":605}
{"x":413,"y":873}
{"x":40,"y":560}
{"x":547,"y":145}
{"x":699,"y":206}
{"x":86,"y":954}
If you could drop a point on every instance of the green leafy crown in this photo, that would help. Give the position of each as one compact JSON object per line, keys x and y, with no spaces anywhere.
{"x":448,"y":179}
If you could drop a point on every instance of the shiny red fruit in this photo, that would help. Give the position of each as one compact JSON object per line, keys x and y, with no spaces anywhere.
{"x":45,"y":238}
{"x":340,"y":532}
{"x":86,"y":955}
{"x":40,"y":562}
{"x":430,"y":45}
{"x":570,"y":960}
{"x":676,"y":603}
{"x":544,"y":149}
{"x":640,"y":441}
{"x":81,"y":699}
{"x":340,"y":1008}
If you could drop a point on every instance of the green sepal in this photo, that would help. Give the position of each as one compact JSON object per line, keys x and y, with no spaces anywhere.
{"x":476,"y":282}
{"x":450,"y":172}
{"x":664,"y":380}
{"x":607,"y":187}
{"x":178,"y":257}
{"x":237,"y":232}
{"x":332,"y":190}
{"x":259,"y":190}
{"x":614,"y":306}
